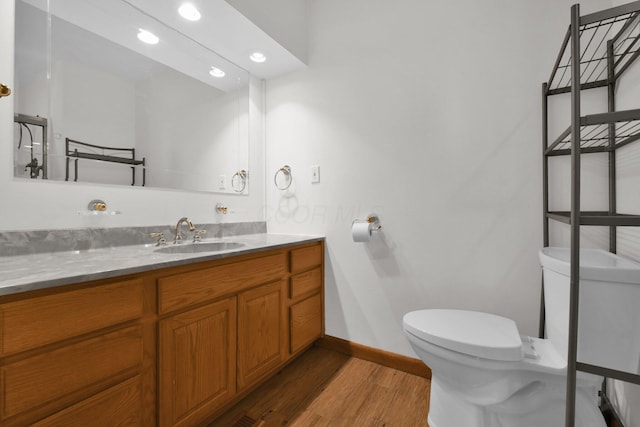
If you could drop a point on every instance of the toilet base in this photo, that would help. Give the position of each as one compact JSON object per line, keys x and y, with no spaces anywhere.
{"x":446,"y":409}
{"x":537,"y":405}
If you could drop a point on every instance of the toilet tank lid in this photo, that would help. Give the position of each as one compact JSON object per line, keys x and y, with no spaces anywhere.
{"x":595,"y":264}
{"x":469,"y":332}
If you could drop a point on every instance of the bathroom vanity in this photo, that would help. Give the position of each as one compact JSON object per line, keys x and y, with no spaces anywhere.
{"x":169,"y":342}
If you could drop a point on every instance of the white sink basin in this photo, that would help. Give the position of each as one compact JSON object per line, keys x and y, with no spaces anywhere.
{"x":199,"y":247}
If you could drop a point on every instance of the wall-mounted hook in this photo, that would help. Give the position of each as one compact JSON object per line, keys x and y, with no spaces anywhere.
{"x":220,"y":208}
{"x":4,"y":90}
{"x":97,"y":205}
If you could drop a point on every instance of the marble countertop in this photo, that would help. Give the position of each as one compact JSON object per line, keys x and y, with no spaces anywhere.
{"x":39,"y":271}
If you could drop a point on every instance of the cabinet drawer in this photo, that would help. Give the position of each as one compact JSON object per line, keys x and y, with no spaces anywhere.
{"x":306,"y":258}
{"x":120,"y":405}
{"x":183,"y":290}
{"x":305,"y":283}
{"x":72,"y":369}
{"x":306,"y":322}
{"x":42,"y":320}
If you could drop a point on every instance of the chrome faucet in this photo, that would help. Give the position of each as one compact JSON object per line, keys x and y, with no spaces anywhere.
{"x":177,"y":238}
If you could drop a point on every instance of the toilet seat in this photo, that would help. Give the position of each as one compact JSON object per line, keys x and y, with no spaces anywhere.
{"x":472,"y":333}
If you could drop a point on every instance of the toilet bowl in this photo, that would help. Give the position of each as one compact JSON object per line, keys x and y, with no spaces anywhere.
{"x":485,"y":374}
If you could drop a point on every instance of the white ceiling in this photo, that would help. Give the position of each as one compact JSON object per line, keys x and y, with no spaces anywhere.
{"x":223,"y":38}
{"x":226,"y":31}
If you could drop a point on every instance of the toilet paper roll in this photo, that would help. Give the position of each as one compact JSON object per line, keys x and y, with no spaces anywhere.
{"x":361,"y":231}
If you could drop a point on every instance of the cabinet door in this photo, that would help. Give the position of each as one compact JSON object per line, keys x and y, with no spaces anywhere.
{"x":197,"y":363}
{"x":261,"y":332}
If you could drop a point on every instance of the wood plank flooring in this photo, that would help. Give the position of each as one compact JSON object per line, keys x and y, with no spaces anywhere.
{"x":323,"y":388}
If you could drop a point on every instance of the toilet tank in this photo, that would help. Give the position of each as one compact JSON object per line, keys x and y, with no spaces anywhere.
{"x":609,"y":310}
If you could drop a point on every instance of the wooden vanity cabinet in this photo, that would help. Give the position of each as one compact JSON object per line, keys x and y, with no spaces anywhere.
{"x":170,"y":347}
{"x":204,"y":368}
{"x":75,"y":354}
{"x":222,"y":328}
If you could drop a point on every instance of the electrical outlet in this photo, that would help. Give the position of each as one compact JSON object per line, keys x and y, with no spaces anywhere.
{"x":315,"y":174}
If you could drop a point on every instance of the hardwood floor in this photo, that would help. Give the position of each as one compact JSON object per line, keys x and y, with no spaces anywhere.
{"x":324,"y":388}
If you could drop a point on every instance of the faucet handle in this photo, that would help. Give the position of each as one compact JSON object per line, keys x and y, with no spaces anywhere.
{"x":197,"y":235}
{"x":160,"y":236}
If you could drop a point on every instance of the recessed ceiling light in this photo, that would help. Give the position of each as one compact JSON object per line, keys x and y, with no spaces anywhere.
{"x":147,"y":37}
{"x":216,"y":72}
{"x":257,"y":57}
{"x":189,"y":12}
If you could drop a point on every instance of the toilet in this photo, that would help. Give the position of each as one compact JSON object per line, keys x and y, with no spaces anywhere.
{"x":485,"y":374}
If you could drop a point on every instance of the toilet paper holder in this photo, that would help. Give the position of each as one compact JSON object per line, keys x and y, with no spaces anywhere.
{"x":362,"y":230}
{"x":374,"y":221}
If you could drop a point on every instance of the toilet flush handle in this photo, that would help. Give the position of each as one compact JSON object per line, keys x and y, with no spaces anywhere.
{"x":529,"y":349}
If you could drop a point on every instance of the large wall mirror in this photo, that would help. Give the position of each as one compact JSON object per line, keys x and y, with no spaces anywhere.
{"x":95,"y":103}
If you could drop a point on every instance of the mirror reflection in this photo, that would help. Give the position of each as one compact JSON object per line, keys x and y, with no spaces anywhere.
{"x":95,"y":103}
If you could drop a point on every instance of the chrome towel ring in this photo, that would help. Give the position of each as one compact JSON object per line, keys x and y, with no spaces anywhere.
{"x":286,"y":177}
{"x":239,"y":181}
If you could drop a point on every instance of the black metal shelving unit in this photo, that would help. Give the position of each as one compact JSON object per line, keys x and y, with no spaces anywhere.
{"x":597,"y":50}
{"x":24,"y":121}
{"x":81,"y":150}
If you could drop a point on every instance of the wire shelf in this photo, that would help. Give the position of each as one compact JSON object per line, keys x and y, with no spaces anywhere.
{"x":596,"y":133}
{"x":596,"y":218}
{"x":77,"y":150}
{"x":613,"y":36}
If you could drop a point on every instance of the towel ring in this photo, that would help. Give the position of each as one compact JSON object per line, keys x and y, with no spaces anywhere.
{"x":239,"y":181}
{"x":286,"y":172}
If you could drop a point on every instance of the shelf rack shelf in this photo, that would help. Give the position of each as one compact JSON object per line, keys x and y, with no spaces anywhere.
{"x":615,"y":28}
{"x":595,"y":136}
{"x":597,"y":50}
{"x":81,"y":150}
{"x":597,"y":218}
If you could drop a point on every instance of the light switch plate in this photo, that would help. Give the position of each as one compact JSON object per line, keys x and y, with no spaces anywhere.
{"x":315,"y":174}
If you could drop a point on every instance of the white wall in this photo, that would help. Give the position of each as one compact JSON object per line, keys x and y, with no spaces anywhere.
{"x":428,"y":114}
{"x":41,"y":205}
